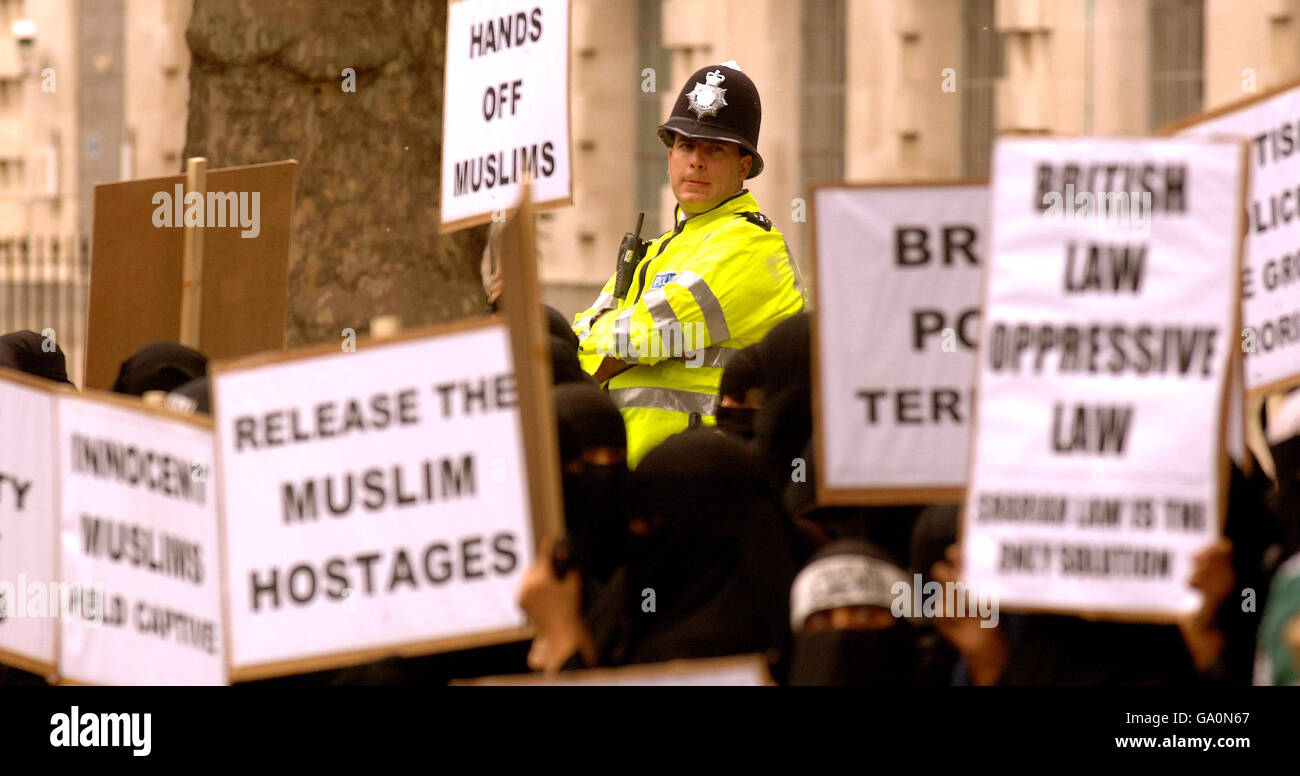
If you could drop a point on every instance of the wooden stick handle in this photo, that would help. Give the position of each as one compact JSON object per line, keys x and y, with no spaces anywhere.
{"x":521,"y":301}
{"x":196,"y":180}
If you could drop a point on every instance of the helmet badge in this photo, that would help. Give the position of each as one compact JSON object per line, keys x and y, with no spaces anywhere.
{"x":708,"y":98}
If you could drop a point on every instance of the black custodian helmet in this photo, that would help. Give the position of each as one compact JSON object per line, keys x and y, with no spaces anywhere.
{"x":718,"y":102}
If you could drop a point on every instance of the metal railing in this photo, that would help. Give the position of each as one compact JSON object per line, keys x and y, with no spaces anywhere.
{"x":45,"y":287}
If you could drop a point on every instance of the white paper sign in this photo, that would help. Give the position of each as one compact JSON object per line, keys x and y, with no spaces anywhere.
{"x":138,"y":534}
{"x":29,"y":600}
{"x":1270,"y":276}
{"x":374,"y":498}
{"x":1103,"y":359}
{"x":506,"y":106}
{"x":899,"y":282}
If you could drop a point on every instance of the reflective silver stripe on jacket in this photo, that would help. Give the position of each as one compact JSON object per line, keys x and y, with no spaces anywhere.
{"x":714,"y":356}
{"x":643,"y":397}
{"x":672,"y":338}
{"x":798,"y":277}
{"x":590,"y":320}
{"x":603,"y":302}
{"x":622,"y":338}
{"x":656,"y":303}
{"x":708,"y":303}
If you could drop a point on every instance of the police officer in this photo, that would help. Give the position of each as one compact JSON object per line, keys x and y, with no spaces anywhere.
{"x":714,"y":284}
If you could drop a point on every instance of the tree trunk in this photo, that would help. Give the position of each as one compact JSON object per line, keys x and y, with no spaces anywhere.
{"x":267,"y":83}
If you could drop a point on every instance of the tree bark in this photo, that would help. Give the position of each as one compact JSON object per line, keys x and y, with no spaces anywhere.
{"x":267,"y":83}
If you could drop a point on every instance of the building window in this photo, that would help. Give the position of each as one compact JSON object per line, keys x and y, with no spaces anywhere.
{"x":1177,"y":58}
{"x":981,"y":68}
{"x":822,"y":73}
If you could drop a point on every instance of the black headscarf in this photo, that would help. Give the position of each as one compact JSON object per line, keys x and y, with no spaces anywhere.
{"x":935,"y":531}
{"x":799,"y":494}
{"x":850,"y":572}
{"x":563,"y":343}
{"x":1058,"y":650}
{"x":25,"y":351}
{"x":559,"y":326}
{"x":1285,"y":502}
{"x":197,"y":390}
{"x":783,"y":427}
{"x":565,"y":367}
{"x":717,"y":563}
{"x":593,"y":493}
{"x":742,"y":373}
{"x":888,"y":527}
{"x":160,"y":366}
{"x":1255,"y":533}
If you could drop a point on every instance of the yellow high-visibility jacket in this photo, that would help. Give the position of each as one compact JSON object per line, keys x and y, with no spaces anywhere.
{"x":716,"y":283}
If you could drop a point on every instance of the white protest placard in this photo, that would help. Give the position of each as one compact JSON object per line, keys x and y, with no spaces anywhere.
{"x":1097,"y":466}
{"x":29,"y":592}
{"x":1270,"y":275}
{"x":739,"y":671}
{"x":138,"y":545}
{"x":505,"y":108}
{"x":898,"y":289}
{"x":375,"y":501}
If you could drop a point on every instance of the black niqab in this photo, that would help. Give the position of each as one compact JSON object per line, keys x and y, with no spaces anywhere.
{"x":935,"y":531}
{"x":197,"y":390}
{"x":25,"y":351}
{"x":741,"y":374}
{"x":856,"y":658}
{"x":160,"y":366}
{"x":783,"y":427}
{"x":717,"y":564}
{"x":559,"y":326}
{"x":593,"y":493}
{"x":1059,"y":650}
{"x":565,"y":367}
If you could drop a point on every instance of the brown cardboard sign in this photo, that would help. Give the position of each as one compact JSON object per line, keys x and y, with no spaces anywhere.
{"x":245,"y":217}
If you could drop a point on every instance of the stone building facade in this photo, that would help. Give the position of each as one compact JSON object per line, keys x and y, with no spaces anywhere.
{"x":868,"y":90}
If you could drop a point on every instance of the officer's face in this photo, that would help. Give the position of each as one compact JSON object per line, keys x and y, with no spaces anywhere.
{"x":705,"y":172}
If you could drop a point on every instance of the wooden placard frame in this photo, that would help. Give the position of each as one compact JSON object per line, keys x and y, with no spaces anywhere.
{"x":521,"y":301}
{"x":534,"y":456}
{"x":873,"y":496}
{"x":1224,"y":463}
{"x":136,"y":404}
{"x":657,"y":670}
{"x":1223,"y":110}
{"x":447,"y":227}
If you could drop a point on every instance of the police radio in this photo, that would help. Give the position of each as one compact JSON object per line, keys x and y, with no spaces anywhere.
{"x":630,"y":253}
